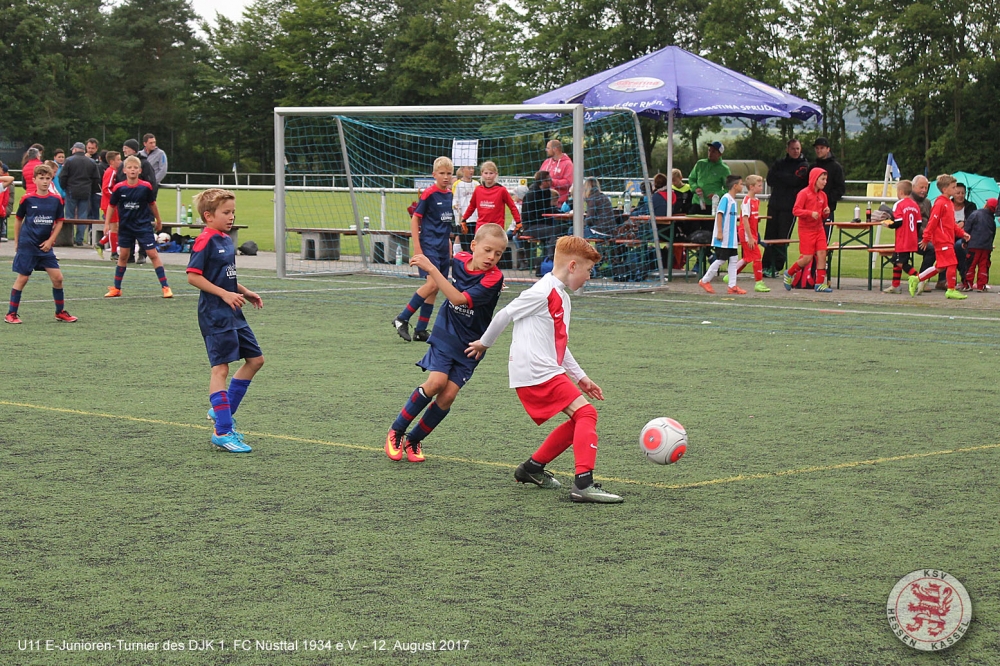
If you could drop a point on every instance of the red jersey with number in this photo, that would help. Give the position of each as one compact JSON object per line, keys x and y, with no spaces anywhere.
{"x":941,"y":230}
{"x":489,"y":202}
{"x":906,"y":213}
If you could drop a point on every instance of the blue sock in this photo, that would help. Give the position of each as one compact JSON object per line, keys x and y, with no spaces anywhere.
{"x":411,"y":307}
{"x":15,"y":301}
{"x":223,"y":417}
{"x":237,"y":389}
{"x":119,"y":274}
{"x":431,"y":419}
{"x":57,"y":296}
{"x":411,"y":409}
{"x":425,"y":317}
{"x":161,"y":275}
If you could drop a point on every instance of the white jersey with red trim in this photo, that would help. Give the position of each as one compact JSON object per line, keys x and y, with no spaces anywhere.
{"x":538,"y":350}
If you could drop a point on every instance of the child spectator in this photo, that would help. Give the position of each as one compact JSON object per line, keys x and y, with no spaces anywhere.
{"x":32,"y":158}
{"x":109,"y":235}
{"x":981,"y":227}
{"x":725,"y":239}
{"x":749,"y":236}
{"x":682,"y":193}
{"x":137,"y":213}
{"x":58,"y":158}
{"x":940,"y":232}
{"x":905,"y":220}
{"x":541,"y":365}
{"x":486,"y":205}
{"x":461,"y":194}
{"x":37,"y":223}
{"x":430,"y":229}
{"x":812,"y":209}
{"x":228,"y":338}
{"x":471,"y":300}
{"x":6,"y":199}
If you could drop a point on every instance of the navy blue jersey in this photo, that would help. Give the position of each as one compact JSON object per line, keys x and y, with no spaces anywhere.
{"x":132,"y":202}
{"x":214,"y":257}
{"x":458,"y":325}
{"x":436,"y":217}
{"x":38,"y":213}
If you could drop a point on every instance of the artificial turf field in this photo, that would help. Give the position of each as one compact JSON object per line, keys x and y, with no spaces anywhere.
{"x":832,"y":451}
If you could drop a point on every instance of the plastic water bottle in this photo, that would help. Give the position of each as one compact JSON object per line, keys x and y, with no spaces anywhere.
{"x":367,"y":222}
{"x":184,"y":214}
{"x":857,"y":213}
{"x":399,"y":256}
{"x":627,"y":204}
{"x":715,"y":204}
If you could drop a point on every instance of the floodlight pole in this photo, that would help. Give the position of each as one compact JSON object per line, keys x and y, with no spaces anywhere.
{"x":279,"y":193}
{"x":578,"y":169}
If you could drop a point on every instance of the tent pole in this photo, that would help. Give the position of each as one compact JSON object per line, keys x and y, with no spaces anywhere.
{"x":578,"y":167}
{"x":670,"y":161}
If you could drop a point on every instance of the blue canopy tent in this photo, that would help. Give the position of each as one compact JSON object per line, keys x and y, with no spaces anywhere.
{"x":673,"y":83}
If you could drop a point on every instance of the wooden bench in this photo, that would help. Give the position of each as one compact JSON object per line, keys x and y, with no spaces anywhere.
{"x":65,"y":238}
{"x":323,"y":243}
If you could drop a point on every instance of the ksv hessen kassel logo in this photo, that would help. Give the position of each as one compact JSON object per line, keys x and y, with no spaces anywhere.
{"x":929,"y":609}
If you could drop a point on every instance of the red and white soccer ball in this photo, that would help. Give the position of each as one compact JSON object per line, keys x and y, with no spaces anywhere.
{"x":663,"y":441}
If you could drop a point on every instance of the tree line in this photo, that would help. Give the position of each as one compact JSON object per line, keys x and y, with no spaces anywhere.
{"x":919,"y":75}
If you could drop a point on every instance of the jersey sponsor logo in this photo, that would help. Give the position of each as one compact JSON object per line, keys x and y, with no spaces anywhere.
{"x":131,"y":205}
{"x":42,"y":220}
{"x":929,"y":610}
{"x":463,"y":310}
{"x":231,"y":271}
{"x":487,"y":204}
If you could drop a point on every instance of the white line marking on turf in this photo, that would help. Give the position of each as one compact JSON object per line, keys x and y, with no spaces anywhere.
{"x":179,"y":295}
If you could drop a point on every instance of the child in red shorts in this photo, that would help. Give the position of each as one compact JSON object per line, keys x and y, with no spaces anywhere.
{"x":941,"y":232}
{"x":749,"y":236}
{"x":543,"y":370}
{"x":811,"y":208}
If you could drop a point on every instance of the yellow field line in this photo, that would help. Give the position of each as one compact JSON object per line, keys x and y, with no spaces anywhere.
{"x":486,"y":463}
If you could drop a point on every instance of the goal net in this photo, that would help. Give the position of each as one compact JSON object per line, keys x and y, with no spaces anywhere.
{"x":351,"y":175}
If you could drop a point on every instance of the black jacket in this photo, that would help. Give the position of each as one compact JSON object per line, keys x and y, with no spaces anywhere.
{"x":537,"y":202}
{"x":982,"y":227}
{"x":786,"y":178}
{"x":835,"y":185}
{"x":79,"y":177}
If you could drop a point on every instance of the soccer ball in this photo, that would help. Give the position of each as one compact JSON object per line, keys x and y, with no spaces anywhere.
{"x":663,"y":441}
{"x":163,"y":238}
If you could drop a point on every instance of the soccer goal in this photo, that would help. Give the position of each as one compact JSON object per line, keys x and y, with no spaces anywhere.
{"x":350,"y":174}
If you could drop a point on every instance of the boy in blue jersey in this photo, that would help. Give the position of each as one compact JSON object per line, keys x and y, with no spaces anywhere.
{"x":725,"y":240}
{"x":430,"y":229}
{"x":37,"y":222}
{"x":471,"y":300}
{"x":135,"y":200}
{"x":228,"y":338}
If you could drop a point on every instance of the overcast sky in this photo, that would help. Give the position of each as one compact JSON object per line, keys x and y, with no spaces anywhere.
{"x":230,"y":8}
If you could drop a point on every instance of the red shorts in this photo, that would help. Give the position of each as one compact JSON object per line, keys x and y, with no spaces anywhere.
{"x":944,"y":256}
{"x":811,"y":241}
{"x":750,"y":254}
{"x":544,"y":401}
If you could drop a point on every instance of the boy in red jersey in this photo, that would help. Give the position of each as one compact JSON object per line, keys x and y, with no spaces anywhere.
{"x":940,"y":232}
{"x":811,"y":208}
{"x":489,"y":199}
{"x":110,"y":233}
{"x":905,"y":220}
{"x":430,"y":231}
{"x":749,"y":236}
{"x":38,"y":220}
{"x":472,"y":298}
{"x":542,"y":370}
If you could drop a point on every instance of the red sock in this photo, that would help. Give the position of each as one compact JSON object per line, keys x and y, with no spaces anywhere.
{"x":584,"y":438}
{"x":949,"y":275}
{"x":558,"y":441}
{"x":897,"y":272}
{"x":114,"y":241}
{"x":104,"y":239}
{"x":758,"y":270}
{"x":794,"y":268}
{"x":820,"y":276}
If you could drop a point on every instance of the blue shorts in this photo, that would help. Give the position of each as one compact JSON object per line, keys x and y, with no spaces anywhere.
{"x":442,"y":264}
{"x":128,"y":237}
{"x":229,"y":346}
{"x":26,"y":262}
{"x":445,"y":358}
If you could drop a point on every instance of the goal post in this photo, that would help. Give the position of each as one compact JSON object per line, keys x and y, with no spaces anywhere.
{"x":344,"y":177}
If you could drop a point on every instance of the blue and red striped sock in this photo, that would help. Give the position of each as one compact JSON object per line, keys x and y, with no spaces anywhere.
{"x":410,"y":410}
{"x":237,"y":389}
{"x":57,"y":296}
{"x":119,"y":274}
{"x":411,"y":307}
{"x":161,"y":275}
{"x":15,"y":301}
{"x":425,"y":317}
{"x":223,"y":416}
{"x":431,"y":419}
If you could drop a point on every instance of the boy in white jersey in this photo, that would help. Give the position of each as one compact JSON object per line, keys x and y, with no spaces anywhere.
{"x":542,"y":370}
{"x":725,"y":240}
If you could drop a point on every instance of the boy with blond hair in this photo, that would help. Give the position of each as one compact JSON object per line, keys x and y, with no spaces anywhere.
{"x":542,"y":370}
{"x":905,"y":220}
{"x":472,"y":298}
{"x":725,"y":239}
{"x":940,"y":233}
{"x":488,"y":201}
{"x":749,"y":235}
{"x":37,"y":223}
{"x":430,"y":230}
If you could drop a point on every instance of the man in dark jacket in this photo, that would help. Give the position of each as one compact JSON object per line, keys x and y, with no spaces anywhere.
{"x":786,"y":177}
{"x":78,"y":179}
{"x":835,"y":185}
{"x":536,"y":205}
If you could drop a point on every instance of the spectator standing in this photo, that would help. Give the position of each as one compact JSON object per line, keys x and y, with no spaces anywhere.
{"x":32,"y":158}
{"x":156,"y":157}
{"x":786,"y":178}
{"x":79,"y":178}
{"x":560,"y":169}
{"x":963,"y":209}
{"x":708,"y":177}
{"x":836,"y":187}
{"x":919,"y":195}
{"x":93,"y":152}
{"x":6,"y":199}
{"x":59,"y":157}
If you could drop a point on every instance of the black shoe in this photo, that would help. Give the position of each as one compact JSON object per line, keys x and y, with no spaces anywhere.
{"x":141,"y":259}
{"x":402,"y":328}
{"x":114,"y":256}
{"x":421,"y":336}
